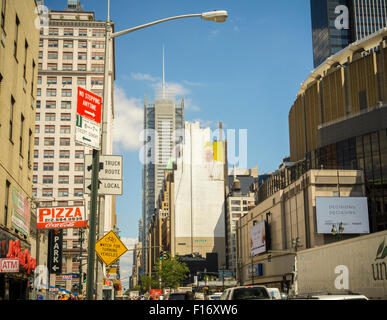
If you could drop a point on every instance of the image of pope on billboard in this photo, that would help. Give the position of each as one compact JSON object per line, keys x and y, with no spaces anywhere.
{"x":258,"y":239}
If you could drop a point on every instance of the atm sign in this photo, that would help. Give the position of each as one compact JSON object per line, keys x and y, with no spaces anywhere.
{"x":9,"y":265}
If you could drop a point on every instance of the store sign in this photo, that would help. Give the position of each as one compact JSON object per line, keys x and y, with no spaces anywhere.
{"x":55,"y":246}
{"x":20,"y":212}
{"x":258,"y":238}
{"x":351,"y":212}
{"x":9,"y":265}
{"x":61,"y":217}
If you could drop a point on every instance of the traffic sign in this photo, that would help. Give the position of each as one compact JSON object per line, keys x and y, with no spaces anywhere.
{"x":110,"y":167}
{"x":109,"y":248}
{"x":55,"y":245}
{"x":87,"y":132}
{"x":89,"y":105}
{"x":112,"y":187}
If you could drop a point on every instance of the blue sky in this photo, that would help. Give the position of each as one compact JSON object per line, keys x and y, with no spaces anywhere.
{"x":245,"y":72}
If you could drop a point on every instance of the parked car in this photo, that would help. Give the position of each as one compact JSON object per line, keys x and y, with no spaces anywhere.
{"x":215,"y":296}
{"x":274,"y":293}
{"x":181,"y":296}
{"x":246,"y":293}
{"x":329,"y":296}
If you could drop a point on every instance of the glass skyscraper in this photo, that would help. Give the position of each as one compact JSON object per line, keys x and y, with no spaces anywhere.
{"x":365,"y":17}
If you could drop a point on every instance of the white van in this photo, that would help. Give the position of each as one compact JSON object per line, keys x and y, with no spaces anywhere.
{"x":274,"y":293}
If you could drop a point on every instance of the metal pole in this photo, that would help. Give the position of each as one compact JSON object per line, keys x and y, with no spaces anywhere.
{"x":80,"y":260}
{"x":92,"y":227}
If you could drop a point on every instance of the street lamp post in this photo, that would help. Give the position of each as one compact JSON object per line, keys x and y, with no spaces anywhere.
{"x":217,"y":16}
{"x":338,"y":229}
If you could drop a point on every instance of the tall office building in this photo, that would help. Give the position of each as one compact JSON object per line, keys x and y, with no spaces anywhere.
{"x":71,"y":54}
{"x":364,"y":18}
{"x":164,"y":129}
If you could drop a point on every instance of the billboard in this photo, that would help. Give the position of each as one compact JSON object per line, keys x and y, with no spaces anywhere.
{"x":20,"y":212}
{"x":61,"y":217}
{"x":352,"y":212}
{"x":258,"y":238}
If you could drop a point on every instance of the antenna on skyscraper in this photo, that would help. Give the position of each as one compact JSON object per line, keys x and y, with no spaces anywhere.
{"x":163,"y":83}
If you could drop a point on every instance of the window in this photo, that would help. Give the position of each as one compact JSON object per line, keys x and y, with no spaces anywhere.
{"x":49,"y":141}
{"x":50,"y":117}
{"x":68,"y":32}
{"x":65,"y":116}
{"x":82,"y":32}
{"x":67,"y":67}
{"x":82,"y":56}
{"x":39,"y":92}
{"x":81,"y":67}
{"x":53,"y":32}
{"x":53,"y":43}
{"x":37,"y":117}
{"x":98,"y":33}
{"x":97,"y":67}
{"x":67,"y":56}
{"x":78,"y":192}
{"x":11,"y":118}
{"x":39,"y":80}
{"x":51,"y":80}
{"x":51,"y":92}
{"x":81,"y":81}
{"x":36,"y":141}
{"x":47,"y":192}
{"x":36,"y":154}
{"x":49,"y":129}
{"x":78,"y":179}
{"x":34,"y":179}
{"x":97,"y":56}
{"x":63,"y":192}
{"x":52,"y":66}
{"x":65,"y":129}
{"x":52,"y":55}
{"x":66,"y":105}
{"x":48,"y":179}
{"x":37,"y":104}
{"x":64,"y":154}
{"x":63,"y":179}
{"x":63,"y":204}
{"x":34,"y":192}
{"x":79,"y":154}
{"x":3,"y":5}
{"x":78,"y":166}
{"x":82,"y":44}
{"x":7,"y":188}
{"x":41,"y":44}
{"x":98,"y":45}
{"x":36,"y":166}
{"x":48,"y":154}
{"x":39,"y":66}
{"x":48,"y":166}
{"x":16,"y":37}
{"x":97,"y":81}
{"x":66,"y":92}
{"x":67,"y":44}
{"x":67,"y":81}
{"x":64,"y":166}
{"x":37,"y":129}
{"x":64,"y":141}
{"x":50,"y":105}
{"x":25,"y":59}
{"x":21,"y":135}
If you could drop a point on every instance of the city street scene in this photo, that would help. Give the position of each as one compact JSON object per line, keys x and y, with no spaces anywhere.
{"x":193,"y":150}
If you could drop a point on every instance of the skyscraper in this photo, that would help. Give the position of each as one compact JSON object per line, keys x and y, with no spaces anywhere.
{"x":164,"y":125}
{"x":330,"y":31}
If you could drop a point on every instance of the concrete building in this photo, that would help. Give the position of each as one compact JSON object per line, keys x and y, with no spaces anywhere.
{"x":71,"y":54}
{"x":364,"y":19}
{"x":163,"y":125}
{"x":239,"y":201}
{"x":19,"y":39}
{"x":338,"y":120}
{"x":137,"y":263}
{"x":290,"y":224}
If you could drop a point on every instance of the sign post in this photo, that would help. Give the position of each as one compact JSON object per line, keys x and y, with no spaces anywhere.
{"x":89,"y":110}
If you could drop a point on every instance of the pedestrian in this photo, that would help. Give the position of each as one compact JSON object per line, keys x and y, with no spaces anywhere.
{"x":189,"y":295}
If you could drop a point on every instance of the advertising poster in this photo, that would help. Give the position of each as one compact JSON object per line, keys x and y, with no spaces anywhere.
{"x":20,"y":212}
{"x":258,"y":239}
{"x":352,"y":212}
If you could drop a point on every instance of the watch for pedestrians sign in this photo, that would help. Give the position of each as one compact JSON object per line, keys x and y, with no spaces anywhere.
{"x":109,"y":248}
{"x":88,"y":119}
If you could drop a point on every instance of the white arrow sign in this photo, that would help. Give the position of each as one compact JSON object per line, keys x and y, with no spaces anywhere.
{"x":110,"y":167}
{"x":112,"y":187}
{"x":88,"y":132}
{"x":55,"y":268}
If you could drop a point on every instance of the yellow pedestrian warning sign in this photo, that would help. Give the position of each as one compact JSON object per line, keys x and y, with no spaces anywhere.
{"x":109,"y":248}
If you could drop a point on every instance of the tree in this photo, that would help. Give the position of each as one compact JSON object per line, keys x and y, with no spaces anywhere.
{"x":171,"y":271}
{"x":147,"y":281}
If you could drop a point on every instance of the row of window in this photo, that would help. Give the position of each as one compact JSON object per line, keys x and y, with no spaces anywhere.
{"x":69,"y":67}
{"x":69,"y":80}
{"x":49,"y":166}
{"x":70,"y":44}
{"x":70,"y":32}
{"x":52,"y":104}
{"x":51,"y":129}
{"x":61,"y":179}
{"x":64,"y":154}
{"x":52,"y":116}
{"x":53,"y":55}
{"x":47,"y":192}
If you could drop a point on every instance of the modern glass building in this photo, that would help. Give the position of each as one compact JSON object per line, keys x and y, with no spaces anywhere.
{"x":364,"y":18}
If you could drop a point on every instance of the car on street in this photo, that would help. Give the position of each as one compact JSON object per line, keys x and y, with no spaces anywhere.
{"x":246,"y":293}
{"x":329,"y":296}
{"x":214,"y":296}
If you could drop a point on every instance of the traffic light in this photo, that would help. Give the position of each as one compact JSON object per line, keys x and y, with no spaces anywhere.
{"x":161,"y":255}
{"x":84,"y":277}
{"x":165,"y":255}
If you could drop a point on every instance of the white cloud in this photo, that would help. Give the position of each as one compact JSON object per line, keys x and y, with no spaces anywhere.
{"x":173,"y":87}
{"x":128,"y":120}
{"x":193,"y":84}
{"x":144,"y":77}
{"x":188,"y":105}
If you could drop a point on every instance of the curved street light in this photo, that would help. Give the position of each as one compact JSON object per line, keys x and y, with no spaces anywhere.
{"x":216,"y":16}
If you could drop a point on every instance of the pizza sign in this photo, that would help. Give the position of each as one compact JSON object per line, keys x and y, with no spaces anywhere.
{"x":61,"y":217}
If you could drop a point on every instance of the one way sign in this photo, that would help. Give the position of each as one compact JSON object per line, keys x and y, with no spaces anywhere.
{"x":55,"y":246}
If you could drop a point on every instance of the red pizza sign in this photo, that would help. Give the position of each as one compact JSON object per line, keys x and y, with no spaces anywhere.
{"x":61,"y":217}
{"x":89,"y":105}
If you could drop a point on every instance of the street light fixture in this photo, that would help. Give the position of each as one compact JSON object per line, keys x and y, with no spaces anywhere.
{"x":337,"y":229}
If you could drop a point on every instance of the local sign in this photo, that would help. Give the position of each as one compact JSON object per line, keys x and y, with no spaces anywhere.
{"x":61,"y":217}
{"x":89,"y":105}
{"x":55,"y":246}
{"x":9,"y":265}
{"x":112,"y":187}
{"x":109,"y":248}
